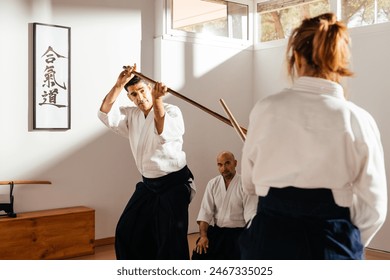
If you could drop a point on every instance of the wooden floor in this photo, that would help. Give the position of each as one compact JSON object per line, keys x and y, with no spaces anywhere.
{"x":107,"y":252}
{"x":372,"y":254}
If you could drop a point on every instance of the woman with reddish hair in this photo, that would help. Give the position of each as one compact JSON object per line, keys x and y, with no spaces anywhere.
{"x":314,"y":158}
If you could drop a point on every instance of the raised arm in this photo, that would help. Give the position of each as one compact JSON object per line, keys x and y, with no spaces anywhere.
{"x":125,"y":76}
{"x":158,"y":92}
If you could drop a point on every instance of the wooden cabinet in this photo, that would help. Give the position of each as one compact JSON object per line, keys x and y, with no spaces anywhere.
{"x":48,"y":234}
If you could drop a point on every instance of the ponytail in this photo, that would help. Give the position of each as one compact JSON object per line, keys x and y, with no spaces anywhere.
{"x":324,"y":43}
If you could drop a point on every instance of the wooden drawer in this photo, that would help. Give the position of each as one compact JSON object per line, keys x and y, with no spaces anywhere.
{"x":48,"y":234}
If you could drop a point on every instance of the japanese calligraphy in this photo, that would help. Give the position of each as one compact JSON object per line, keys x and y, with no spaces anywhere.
{"x":51,"y":88}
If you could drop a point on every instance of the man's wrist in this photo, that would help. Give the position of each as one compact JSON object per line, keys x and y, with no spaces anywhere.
{"x":118,"y":86}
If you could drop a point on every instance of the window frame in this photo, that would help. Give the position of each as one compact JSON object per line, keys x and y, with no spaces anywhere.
{"x":334,"y":7}
{"x":179,"y":35}
{"x":168,"y":33}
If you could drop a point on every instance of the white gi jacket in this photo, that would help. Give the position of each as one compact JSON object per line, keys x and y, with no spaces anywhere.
{"x":155,"y":155}
{"x":229,"y":208}
{"x":310,"y":136}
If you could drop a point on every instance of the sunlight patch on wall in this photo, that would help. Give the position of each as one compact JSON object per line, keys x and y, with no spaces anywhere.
{"x":218,"y":56}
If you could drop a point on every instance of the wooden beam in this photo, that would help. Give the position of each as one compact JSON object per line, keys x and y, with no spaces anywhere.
{"x":26,"y":182}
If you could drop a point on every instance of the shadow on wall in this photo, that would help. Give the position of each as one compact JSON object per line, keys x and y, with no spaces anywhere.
{"x":101,"y":175}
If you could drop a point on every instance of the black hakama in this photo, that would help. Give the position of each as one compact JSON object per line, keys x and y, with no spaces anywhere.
{"x":300,"y":224}
{"x":154,"y":223}
{"x":223,"y":244}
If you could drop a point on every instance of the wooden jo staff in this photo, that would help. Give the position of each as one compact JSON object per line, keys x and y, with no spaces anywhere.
{"x":175,"y":93}
{"x":235,"y":125}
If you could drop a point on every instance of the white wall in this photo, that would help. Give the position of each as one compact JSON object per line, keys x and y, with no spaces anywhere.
{"x":88,"y":165}
{"x":369,"y":88}
{"x":91,"y":166}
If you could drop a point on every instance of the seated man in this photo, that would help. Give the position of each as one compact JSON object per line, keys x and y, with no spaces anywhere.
{"x":223,"y":214}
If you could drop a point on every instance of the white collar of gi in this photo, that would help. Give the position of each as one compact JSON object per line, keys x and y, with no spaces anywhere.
{"x":318,"y":85}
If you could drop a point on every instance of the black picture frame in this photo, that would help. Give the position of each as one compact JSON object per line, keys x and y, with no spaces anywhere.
{"x":51,"y":77}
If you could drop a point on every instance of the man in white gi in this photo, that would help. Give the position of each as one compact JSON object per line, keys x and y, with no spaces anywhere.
{"x":154,"y":223}
{"x":224,"y":212}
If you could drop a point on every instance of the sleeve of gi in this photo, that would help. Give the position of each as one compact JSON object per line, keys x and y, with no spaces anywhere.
{"x":249,"y":153}
{"x":173,"y":123}
{"x":206,"y":211}
{"x":369,"y":208}
{"x":116,"y":121}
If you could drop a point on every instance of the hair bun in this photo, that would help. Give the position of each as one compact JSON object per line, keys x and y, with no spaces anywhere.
{"x":329,"y":17}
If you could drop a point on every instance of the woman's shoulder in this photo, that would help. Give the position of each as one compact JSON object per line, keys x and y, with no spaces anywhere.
{"x":269,"y":100}
{"x":359,"y":112}
{"x":362,"y":111}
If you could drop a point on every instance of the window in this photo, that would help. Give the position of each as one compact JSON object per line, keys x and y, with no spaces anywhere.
{"x":365,"y":12}
{"x":274,"y":19}
{"x":214,"y":17}
{"x":277,"y":19}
